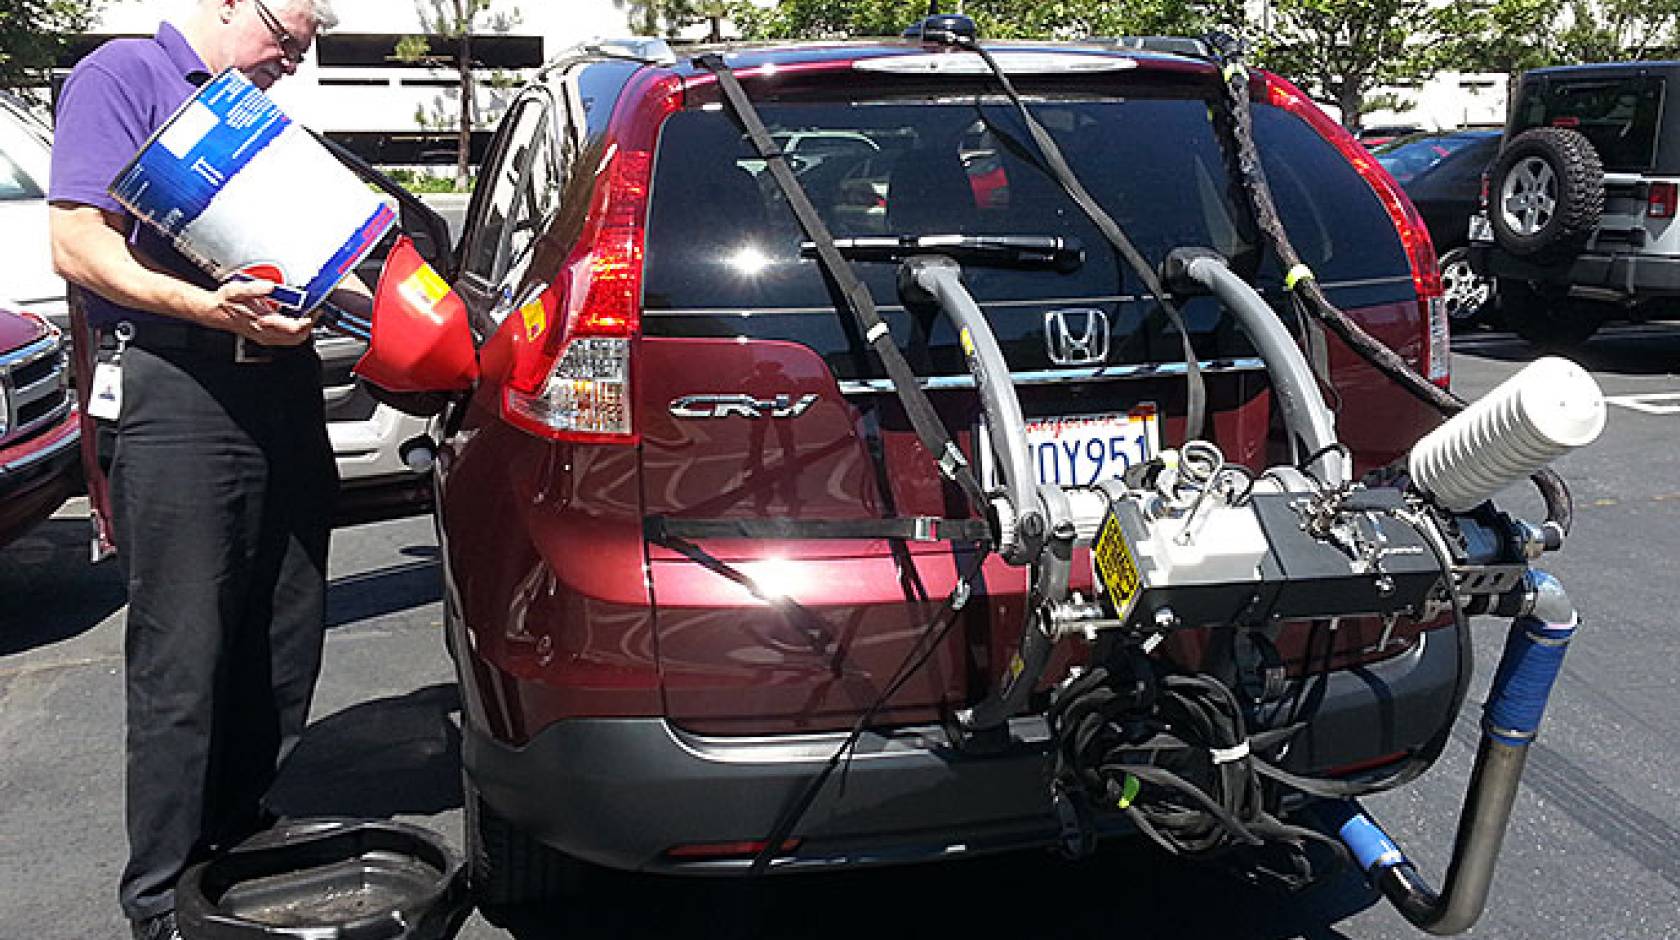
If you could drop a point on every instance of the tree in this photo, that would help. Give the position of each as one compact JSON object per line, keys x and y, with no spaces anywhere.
{"x":33,"y":33}
{"x":456,"y":22}
{"x":1510,"y":36}
{"x":1611,"y":30}
{"x":669,"y":17}
{"x":1343,"y":49}
{"x":1062,"y":19}
{"x":658,"y":17}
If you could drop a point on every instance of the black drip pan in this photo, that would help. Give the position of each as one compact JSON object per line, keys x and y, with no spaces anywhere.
{"x":326,"y":879}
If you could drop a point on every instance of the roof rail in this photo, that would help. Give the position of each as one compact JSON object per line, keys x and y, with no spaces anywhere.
{"x":650,"y":50}
{"x":1176,"y":45}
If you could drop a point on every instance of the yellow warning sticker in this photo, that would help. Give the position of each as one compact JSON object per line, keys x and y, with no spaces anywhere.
{"x":967,"y":341}
{"x":423,"y":289}
{"x":427,"y":282}
{"x":536,"y":319}
{"x":1116,"y":568}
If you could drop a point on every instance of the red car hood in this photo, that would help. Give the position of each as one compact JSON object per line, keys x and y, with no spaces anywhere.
{"x":18,"y":328}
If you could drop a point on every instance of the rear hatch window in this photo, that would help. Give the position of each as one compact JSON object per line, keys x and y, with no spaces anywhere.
{"x":721,"y":242}
{"x":1621,"y":115}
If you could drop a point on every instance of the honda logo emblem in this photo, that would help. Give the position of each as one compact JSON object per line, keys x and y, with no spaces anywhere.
{"x":1076,"y":337}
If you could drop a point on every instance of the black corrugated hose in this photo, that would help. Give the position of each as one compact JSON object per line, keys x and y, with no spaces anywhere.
{"x":1237,"y":135}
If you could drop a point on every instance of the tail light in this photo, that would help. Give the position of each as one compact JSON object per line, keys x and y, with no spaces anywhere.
{"x":585,"y":398}
{"x":1664,"y":199}
{"x":572,"y":370}
{"x":712,"y":851}
{"x":1414,"y":236}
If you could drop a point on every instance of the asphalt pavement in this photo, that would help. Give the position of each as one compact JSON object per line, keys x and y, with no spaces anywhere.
{"x":1591,"y":852}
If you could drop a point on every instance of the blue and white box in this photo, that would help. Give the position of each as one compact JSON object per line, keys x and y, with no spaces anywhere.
{"x":243,"y":191}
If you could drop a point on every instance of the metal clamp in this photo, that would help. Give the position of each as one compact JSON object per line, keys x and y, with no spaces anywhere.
{"x":124,"y":332}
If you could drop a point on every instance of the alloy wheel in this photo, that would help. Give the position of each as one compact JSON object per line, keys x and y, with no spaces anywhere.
{"x":1529,"y":196}
{"x":1464,"y":293}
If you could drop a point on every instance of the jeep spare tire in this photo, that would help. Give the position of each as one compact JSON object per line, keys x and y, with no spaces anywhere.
{"x":1546,"y":191}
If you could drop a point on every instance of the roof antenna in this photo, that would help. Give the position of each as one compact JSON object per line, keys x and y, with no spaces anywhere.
{"x":942,"y":29}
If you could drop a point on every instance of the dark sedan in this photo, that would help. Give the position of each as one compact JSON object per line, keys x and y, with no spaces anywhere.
{"x":1442,"y":173}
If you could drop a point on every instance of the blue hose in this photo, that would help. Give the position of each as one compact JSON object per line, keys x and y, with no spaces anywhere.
{"x":1527,"y":671}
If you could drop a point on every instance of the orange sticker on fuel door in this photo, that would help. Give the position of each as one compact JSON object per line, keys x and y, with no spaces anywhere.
{"x":1116,"y":569}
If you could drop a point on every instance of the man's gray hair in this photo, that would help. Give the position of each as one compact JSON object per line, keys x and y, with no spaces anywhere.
{"x":320,"y":10}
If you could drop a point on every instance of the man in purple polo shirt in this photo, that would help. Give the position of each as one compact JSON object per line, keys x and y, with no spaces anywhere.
{"x":221,"y":475}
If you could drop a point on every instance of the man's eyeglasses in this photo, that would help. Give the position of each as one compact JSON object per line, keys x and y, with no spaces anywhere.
{"x":290,"y":48}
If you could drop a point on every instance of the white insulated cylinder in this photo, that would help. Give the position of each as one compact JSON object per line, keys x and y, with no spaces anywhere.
{"x":1549,"y":408}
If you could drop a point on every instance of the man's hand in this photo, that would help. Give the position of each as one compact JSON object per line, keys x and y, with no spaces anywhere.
{"x":239,"y":307}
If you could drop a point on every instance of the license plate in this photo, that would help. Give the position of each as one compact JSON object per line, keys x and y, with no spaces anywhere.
{"x":1481,"y":230}
{"x":1084,"y":449}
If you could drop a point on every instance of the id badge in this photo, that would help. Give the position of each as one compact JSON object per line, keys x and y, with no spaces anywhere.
{"x":105,"y":397}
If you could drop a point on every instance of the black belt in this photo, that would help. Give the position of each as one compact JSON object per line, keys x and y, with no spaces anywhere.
{"x":197,"y":340}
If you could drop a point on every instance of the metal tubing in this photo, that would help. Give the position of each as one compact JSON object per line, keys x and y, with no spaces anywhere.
{"x":1550,"y":604}
{"x":1304,"y":412}
{"x":940,"y":279}
{"x":1527,"y":670}
{"x":1043,"y":521}
{"x":1018,"y":680}
{"x":1481,"y":833}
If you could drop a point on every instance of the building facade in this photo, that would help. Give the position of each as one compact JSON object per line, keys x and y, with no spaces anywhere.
{"x":353,"y":88}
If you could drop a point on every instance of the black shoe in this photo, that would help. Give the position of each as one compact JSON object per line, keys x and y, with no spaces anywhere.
{"x":158,"y":927}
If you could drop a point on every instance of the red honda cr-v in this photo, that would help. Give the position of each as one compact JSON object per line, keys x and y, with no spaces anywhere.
{"x":655,"y":344}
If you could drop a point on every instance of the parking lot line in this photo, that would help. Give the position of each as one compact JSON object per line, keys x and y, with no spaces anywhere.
{"x":1658,"y":403}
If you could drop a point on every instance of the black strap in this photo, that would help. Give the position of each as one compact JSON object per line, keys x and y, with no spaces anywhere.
{"x":910,"y":528}
{"x":1236,"y":132}
{"x":1196,"y":390}
{"x":932,"y":636}
{"x":923,"y":418}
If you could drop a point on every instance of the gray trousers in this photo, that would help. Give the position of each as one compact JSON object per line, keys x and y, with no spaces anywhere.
{"x":222,"y":483}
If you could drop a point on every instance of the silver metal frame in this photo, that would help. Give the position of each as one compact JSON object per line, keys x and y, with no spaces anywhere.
{"x":1060,"y":376}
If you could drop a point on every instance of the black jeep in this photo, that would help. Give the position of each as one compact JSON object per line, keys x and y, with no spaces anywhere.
{"x":1578,"y":222}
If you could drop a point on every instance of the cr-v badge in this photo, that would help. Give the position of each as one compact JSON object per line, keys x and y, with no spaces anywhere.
{"x":1077,"y":336}
{"x":744,"y":406}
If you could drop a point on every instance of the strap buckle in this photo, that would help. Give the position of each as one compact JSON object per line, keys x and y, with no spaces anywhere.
{"x":951,"y":460}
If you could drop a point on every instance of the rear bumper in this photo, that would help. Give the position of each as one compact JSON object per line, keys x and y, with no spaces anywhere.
{"x":1626,"y":273}
{"x":620,"y":792}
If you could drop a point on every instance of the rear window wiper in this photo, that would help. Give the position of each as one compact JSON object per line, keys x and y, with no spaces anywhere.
{"x":1058,"y":252}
